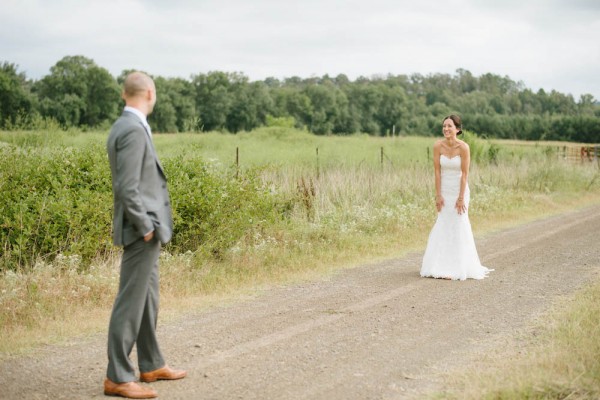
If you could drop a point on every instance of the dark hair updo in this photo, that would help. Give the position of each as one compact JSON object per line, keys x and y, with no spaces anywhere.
{"x":457,"y":122}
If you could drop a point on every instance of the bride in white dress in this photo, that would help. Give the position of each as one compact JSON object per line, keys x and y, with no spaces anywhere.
{"x":451,"y":252}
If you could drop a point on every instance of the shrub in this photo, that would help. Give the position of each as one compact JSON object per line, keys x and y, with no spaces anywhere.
{"x":53,"y":201}
{"x":481,"y":150}
{"x":280,"y":122}
{"x":214,"y":208}
{"x":59,"y":201}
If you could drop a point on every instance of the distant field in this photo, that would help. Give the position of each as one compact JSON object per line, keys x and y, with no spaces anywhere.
{"x":284,"y":147}
{"x":289,"y":148}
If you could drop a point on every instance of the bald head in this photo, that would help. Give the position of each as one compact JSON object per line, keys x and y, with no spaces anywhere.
{"x":139,"y":92}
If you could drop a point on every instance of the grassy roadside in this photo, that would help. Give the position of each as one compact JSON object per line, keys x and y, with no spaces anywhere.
{"x":67,"y":304}
{"x":557,"y":358}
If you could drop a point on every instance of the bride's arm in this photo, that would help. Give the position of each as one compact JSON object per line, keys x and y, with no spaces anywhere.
{"x":465,"y":157}
{"x":439,"y":200}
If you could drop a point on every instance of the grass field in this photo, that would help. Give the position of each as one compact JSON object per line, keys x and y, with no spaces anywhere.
{"x":353,"y":200}
{"x":288,"y":148}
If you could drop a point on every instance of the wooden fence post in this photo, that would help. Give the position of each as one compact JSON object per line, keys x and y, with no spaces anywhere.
{"x":318,"y":172}
{"x":237,"y":161}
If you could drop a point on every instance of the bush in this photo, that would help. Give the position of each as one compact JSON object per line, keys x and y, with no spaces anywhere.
{"x":280,"y":122}
{"x":481,"y":151}
{"x":59,"y":201}
{"x":53,"y":201}
{"x":214,"y":208}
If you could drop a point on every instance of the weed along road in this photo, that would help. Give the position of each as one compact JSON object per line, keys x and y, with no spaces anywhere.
{"x":377,"y":331}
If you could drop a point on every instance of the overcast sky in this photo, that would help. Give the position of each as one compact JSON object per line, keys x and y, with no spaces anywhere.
{"x":549,"y":44}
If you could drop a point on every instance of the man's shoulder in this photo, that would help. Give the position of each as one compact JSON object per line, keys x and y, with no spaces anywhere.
{"x":126,"y":128}
{"x":126,"y":118}
{"x":125,"y":122}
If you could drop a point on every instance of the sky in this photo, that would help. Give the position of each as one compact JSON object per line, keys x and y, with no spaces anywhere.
{"x":545,"y":44}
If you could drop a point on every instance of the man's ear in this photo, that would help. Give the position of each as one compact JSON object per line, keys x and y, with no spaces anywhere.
{"x":151,"y":95}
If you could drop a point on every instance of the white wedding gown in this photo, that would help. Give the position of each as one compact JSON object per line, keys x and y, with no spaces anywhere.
{"x":451,"y":251}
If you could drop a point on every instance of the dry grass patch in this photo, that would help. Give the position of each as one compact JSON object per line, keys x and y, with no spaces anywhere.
{"x":558,"y":358}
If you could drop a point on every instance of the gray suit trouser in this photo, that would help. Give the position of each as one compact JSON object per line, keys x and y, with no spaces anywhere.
{"x":134,"y":315}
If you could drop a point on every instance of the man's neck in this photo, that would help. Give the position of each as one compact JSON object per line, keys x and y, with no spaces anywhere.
{"x":137,"y":113}
{"x":140,"y":107}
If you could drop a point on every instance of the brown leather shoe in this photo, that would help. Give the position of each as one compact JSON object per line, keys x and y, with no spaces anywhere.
{"x":130,"y":390}
{"x":164,"y":373}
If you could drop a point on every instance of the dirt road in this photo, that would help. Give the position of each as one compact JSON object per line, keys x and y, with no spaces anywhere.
{"x":373,"y":332}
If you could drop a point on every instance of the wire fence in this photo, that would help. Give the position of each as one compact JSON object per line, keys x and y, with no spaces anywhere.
{"x":570,"y":153}
{"x":580,"y":154}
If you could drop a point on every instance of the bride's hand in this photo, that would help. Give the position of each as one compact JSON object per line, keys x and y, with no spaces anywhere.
{"x":460,"y":206}
{"x":439,"y":203}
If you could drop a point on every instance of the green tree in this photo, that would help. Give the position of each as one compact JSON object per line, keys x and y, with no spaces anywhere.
{"x":213,"y":100}
{"x":175,"y":109}
{"x":324,"y":108}
{"x":586,"y":104}
{"x":392,"y":112}
{"x":78,"y":93}
{"x":290,"y":101}
{"x":365,"y":100}
{"x":15,"y":94}
{"x":164,"y":115}
{"x":251,"y":103}
{"x":466,"y":81}
{"x":345,"y":121}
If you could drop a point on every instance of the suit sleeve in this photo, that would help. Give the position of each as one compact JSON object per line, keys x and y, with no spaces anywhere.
{"x":130,"y":149}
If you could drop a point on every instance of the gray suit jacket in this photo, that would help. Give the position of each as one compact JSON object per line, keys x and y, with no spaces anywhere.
{"x":141,"y":197}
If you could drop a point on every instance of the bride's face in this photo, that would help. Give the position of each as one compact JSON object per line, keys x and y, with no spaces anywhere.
{"x":449,"y":129}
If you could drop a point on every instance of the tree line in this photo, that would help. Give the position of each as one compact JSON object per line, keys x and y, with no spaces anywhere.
{"x":79,"y":93}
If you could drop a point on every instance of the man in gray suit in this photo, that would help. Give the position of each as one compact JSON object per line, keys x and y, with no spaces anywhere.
{"x":142,"y":222}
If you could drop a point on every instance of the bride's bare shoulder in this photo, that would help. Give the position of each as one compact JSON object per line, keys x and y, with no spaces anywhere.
{"x":463,"y":145}
{"x":463,"y":148}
